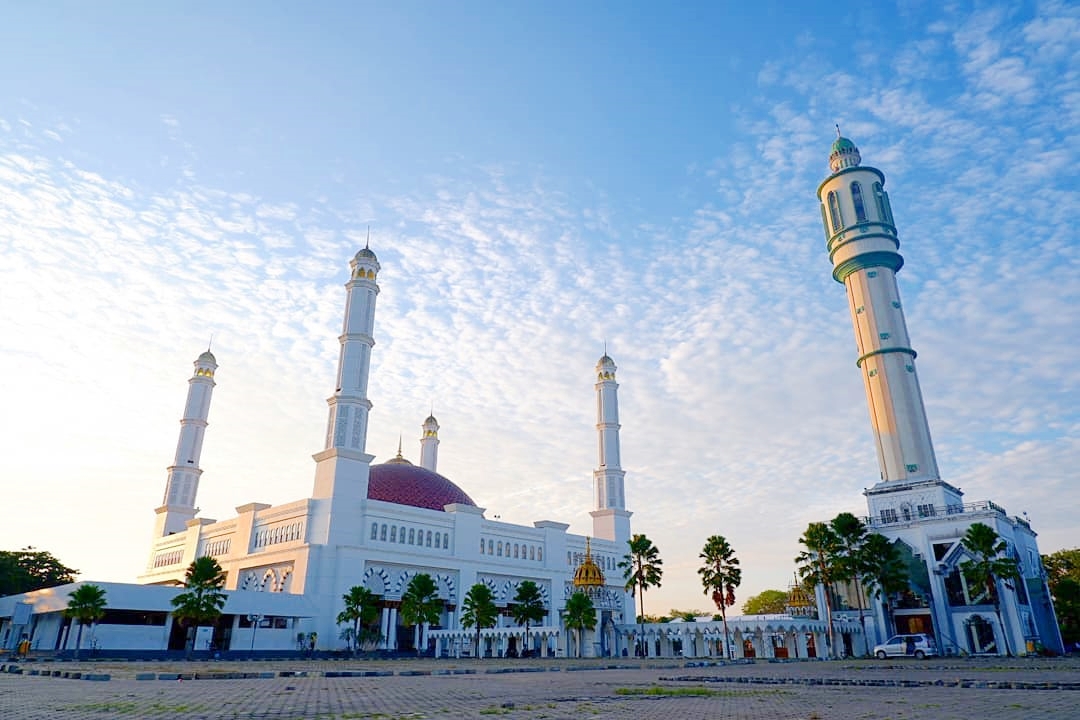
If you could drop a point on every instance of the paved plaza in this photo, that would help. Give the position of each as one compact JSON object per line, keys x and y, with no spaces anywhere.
{"x":417,"y":689}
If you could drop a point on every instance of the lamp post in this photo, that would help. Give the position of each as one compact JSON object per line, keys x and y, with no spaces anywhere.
{"x":254,"y":620}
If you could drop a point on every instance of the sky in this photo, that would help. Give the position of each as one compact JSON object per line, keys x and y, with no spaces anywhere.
{"x":539,"y":179}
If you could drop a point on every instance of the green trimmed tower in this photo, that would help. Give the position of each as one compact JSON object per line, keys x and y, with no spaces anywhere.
{"x":865,"y":252}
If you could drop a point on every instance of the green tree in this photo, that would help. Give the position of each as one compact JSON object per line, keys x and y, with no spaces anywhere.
{"x":29,"y":569}
{"x":204,"y":599}
{"x":720,"y":575}
{"x":580,"y":615}
{"x":988,"y":565}
{"x":817,"y":565}
{"x":642,"y":569}
{"x":360,"y":611}
{"x":685,"y":615}
{"x":766,"y":602}
{"x":86,"y":605}
{"x":479,"y":611}
{"x":1063,"y":579}
{"x":883,"y":572}
{"x":851,"y":537}
{"x":420,"y":604}
{"x":528,"y":608}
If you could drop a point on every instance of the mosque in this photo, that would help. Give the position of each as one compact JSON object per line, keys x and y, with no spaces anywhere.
{"x":364,"y":524}
{"x":379,"y":525}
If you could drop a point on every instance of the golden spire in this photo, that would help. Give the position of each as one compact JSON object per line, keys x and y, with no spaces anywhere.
{"x":588,"y":575}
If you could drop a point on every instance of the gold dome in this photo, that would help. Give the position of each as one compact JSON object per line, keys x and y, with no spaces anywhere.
{"x":799,"y":602}
{"x":588,"y":574}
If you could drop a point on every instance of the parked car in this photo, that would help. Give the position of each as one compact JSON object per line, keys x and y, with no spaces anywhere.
{"x":917,"y":645}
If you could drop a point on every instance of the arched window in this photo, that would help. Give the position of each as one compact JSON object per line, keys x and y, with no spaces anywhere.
{"x":540,"y":554}
{"x":882,"y":201}
{"x":401,"y":534}
{"x":374,"y":531}
{"x":856,"y":198}
{"x":491,"y":547}
{"x":382,"y":533}
{"x":835,"y":217}
{"x":428,"y":538}
{"x":532,"y":552}
{"x":516,"y":551}
{"x":498,"y":549}
{"x":569,"y":558}
{"x":446,"y":540}
{"x":438,"y":540}
{"x":412,"y":539}
{"x":393,"y":533}
{"x":481,"y":546}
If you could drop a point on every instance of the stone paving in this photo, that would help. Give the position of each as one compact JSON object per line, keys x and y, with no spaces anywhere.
{"x":850,"y":690}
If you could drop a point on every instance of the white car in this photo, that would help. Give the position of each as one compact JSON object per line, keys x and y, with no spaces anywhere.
{"x":918,"y":645}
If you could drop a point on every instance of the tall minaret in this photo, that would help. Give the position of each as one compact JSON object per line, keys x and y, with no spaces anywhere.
{"x":429,"y":444}
{"x":341,"y":469}
{"x":864,"y":248}
{"x":178,"y":505}
{"x":610,"y":518}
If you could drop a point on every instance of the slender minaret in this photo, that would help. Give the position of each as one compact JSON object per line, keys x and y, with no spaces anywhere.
{"x":864,"y":249}
{"x":611,"y":520}
{"x":429,"y":444}
{"x":178,"y":505}
{"x":341,"y":469}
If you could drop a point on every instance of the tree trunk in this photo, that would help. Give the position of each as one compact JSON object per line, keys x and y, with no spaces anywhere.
{"x":641,"y":611}
{"x":723,"y":616}
{"x":862,"y":619}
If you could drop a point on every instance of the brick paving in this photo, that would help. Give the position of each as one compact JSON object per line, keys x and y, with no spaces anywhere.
{"x":566,"y":689}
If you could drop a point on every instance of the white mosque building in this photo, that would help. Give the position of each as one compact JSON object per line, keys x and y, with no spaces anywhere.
{"x":364,"y":524}
{"x":911,"y":505}
{"x":380,"y":525}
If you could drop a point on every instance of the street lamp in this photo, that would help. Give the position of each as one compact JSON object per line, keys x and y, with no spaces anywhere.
{"x":254,"y":620}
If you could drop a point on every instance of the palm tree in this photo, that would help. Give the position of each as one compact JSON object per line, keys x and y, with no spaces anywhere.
{"x":817,"y":565}
{"x":86,"y":606}
{"x":987,"y":566}
{"x":720,"y":575}
{"x":642,"y":570}
{"x":359,"y":610}
{"x":528,"y":607}
{"x":203,"y":601}
{"x":882,"y":571}
{"x":420,"y":604}
{"x":479,"y":611}
{"x":851,"y":536}
{"x":580,"y":616}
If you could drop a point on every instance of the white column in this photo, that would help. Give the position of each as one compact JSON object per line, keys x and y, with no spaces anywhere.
{"x":182,"y":485}
{"x":864,"y":248}
{"x":429,"y":444}
{"x":341,"y":469}
{"x":385,"y":628}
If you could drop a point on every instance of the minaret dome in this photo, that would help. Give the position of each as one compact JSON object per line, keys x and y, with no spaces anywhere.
{"x":844,"y":154}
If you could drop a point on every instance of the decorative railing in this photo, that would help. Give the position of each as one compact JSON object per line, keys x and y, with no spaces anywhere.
{"x":893,"y":516}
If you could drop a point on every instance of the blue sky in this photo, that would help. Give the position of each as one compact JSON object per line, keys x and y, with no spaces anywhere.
{"x":538,"y":178}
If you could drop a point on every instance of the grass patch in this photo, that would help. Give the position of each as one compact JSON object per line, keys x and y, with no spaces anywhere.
{"x":694,"y":691}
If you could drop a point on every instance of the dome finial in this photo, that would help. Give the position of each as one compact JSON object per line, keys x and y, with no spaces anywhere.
{"x":399,"y":456}
{"x":843,"y":153}
{"x":367,"y":242}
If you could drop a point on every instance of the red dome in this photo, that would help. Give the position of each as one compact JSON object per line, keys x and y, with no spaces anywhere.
{"x":402,"y":483}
